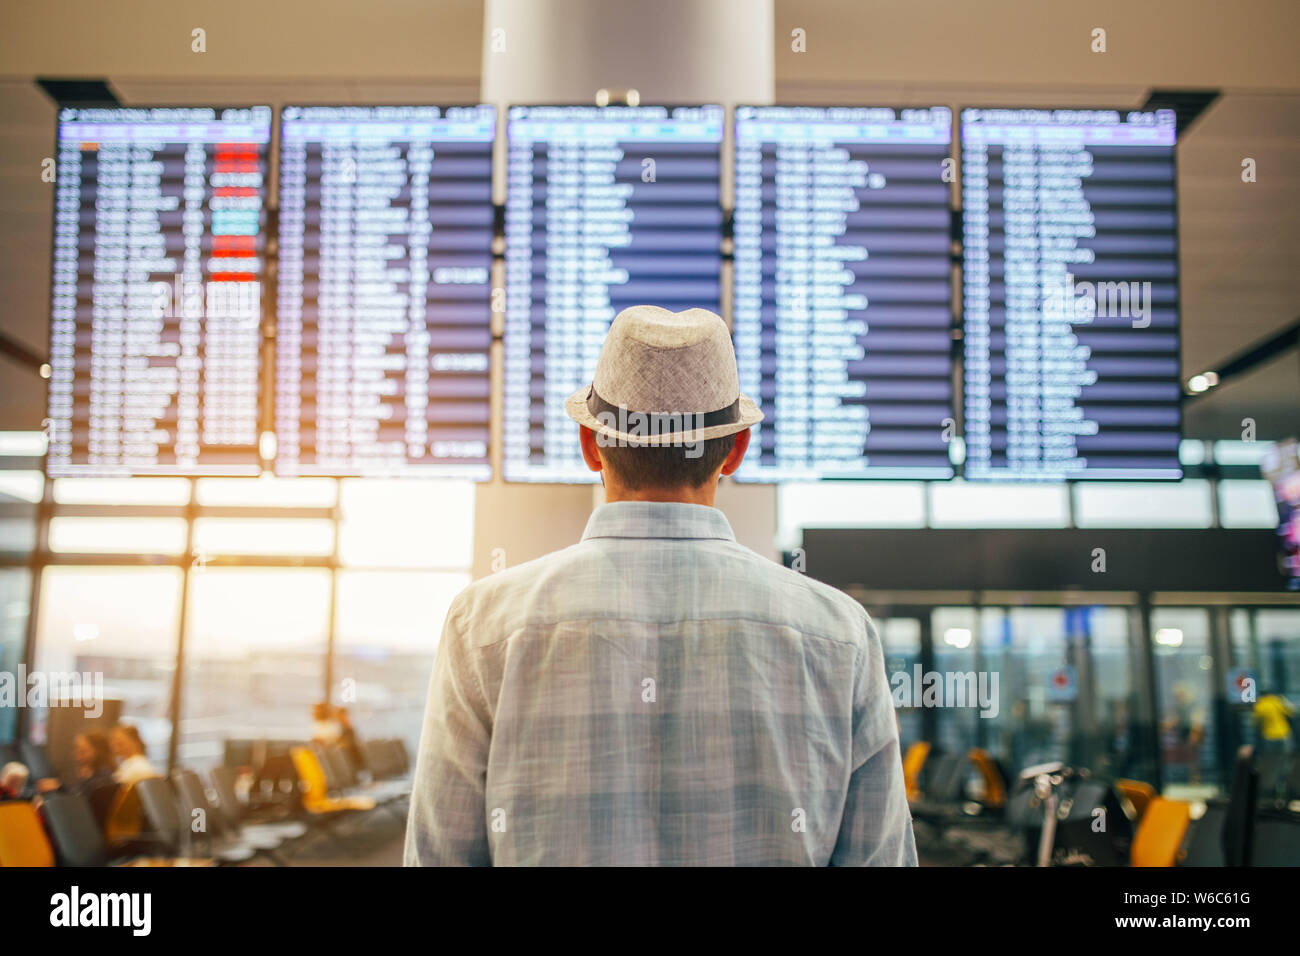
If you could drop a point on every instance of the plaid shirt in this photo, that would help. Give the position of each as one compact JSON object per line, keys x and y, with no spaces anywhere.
{"x":658,"y":694}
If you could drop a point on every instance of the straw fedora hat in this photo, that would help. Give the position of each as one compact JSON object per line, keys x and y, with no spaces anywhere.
{"x":664,"y":378}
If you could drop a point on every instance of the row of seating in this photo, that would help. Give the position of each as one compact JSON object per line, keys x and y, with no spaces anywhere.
{"x":966,"y":809}
{"x":164,"y":819}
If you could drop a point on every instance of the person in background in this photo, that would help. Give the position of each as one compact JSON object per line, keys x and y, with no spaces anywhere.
{"x":658,"y":694}
{"x":15,"y":781}
{"x":95,"y":765}
{"x":325,"y":728}
{"x":133,"y":765}
{"x":348,"y":737}
{"x":1273,"y":714}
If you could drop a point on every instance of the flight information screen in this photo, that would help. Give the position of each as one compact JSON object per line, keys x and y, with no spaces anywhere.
{"x":843,"y":290}
{"x":1070,"y":269}
{"x":383,"y":328}
{"x":156,"y":309}
{"x":606,"y":207}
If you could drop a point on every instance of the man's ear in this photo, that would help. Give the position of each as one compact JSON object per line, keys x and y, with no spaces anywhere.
{"x":737,"y":454}
{"x":590,"y":450}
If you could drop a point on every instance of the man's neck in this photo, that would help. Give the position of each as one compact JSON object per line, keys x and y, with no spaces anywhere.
{"x":703,"y":495}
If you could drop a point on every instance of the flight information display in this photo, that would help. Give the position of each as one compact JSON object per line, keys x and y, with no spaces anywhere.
{"x":843,"y":290}
{"x":606,"y":207}
{"x":1070,"y":263}
{"x":383,"y":329}
{"x":156,"y":309}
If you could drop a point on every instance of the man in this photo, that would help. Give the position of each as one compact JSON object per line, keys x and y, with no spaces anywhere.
{"x":658,"y":694}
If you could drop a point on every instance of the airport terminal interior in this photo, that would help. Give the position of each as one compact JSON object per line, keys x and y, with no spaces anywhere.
{"x":293,"y":295}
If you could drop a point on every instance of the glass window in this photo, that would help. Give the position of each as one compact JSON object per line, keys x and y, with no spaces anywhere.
{"x":119,"y":626}
{"x":1240,"y":452}
{"x":1266,"y":648}
{"x":117,"y":535}
{"x":267,"y":491}
{"x":961,"y":504}
{"x":1247,"y":504}
{"x":1143,"y":504}
{"x":1184,"y":685}
{"x":953,"y":633}
{"x":389,"y":523}
{"x":15,"y":598}
{"x":1114,"y":742}
{"x":22,"y":444}
{"x":848,"y":504}
{"x":254,"y":657}
{"x":388,"y":629}
{"x":26,"y":486}
{"x":1039,"y":686}
{"x":306,"y":536}
{"x":122,"y":491}
{"x":18,"y":535}
{"x":901,"y":641}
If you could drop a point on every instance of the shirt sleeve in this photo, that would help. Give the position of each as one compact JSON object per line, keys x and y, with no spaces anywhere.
{"x":447,"y":824}
{"x":876,"y":826}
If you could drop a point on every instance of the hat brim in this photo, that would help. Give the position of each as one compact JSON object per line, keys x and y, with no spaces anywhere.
{"x":576,"y":408}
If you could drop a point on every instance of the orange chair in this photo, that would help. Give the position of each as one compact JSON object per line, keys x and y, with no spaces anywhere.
{"x":1138,"y":794}
{"x":22,"y":838}
{"x":315,"y":797}
{"x":125,"y":818}
{"x":995,"y":788}
{"x":1160,"y":834}
{"x":913,"y":762}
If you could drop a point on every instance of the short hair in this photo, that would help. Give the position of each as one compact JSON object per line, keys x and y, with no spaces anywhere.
{"x":666,"y":466}
{"x":16,"y":771}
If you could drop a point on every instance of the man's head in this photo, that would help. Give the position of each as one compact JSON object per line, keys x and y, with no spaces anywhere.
{"x":664,"y":416}
{"x":663,"y":472}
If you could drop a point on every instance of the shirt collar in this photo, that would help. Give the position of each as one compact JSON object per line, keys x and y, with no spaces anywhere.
{"x":657,"y":519}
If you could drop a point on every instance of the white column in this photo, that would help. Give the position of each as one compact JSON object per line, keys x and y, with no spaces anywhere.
{"x":562,"y":51}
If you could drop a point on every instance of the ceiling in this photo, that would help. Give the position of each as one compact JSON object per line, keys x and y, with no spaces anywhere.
{"x":1240,"y":242}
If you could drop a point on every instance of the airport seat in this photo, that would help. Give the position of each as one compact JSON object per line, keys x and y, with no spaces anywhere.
{"x":316,"y":798}
{"x":236,"y":814}
{"x":22,"y":838}
{"x":37,"y":760}
{"x":125,"y":820}
{"x":1160,"y":835}
{"x":1204,"y":844}
{"x":1277,"y":840}
{"x":102,"y":798}
{"x":222,"y":842}
{"x":342,"y":774}
{"x":1239,"y":821}
{"x":1138,"y":794}
{"x":913,"y":761}
{"x":166,"y":828}
{"x":77,"y":837}
{"x":995,"y":788}
{"x":403,"y":758}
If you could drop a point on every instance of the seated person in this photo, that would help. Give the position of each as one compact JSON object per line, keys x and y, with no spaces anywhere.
{"x":325,"y":728}
{"x":95,"y":766}
{"x":132,"y":765}
{"x":15,"y":783}
{"x":348,"y":738}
